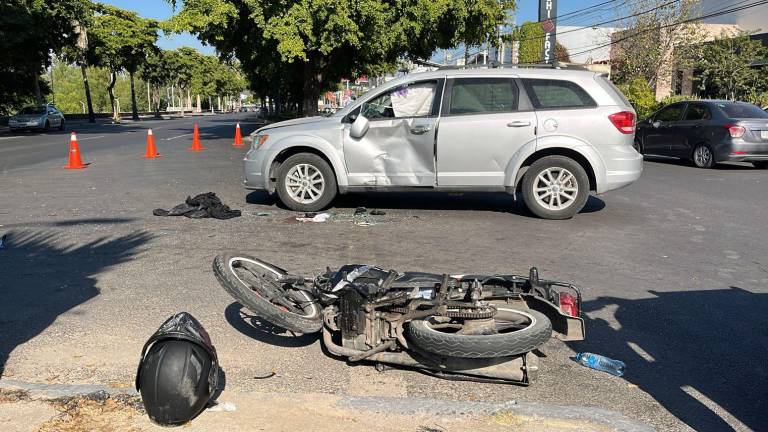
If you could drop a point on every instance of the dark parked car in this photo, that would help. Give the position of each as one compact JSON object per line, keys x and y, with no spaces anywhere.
{"x":707,"y":132}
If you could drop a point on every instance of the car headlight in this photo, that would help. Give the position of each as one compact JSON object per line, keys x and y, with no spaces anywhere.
{"x":259,"y":140}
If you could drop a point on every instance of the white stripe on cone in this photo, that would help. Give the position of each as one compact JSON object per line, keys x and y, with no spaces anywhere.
{"x":73,"y":137}
{"x":149,"y":132}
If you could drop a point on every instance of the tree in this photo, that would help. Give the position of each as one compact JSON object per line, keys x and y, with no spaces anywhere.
{"x":531,"y":37}
{"x":30,"y":31}
{"x":641,"y":95}
{"x":157,"y":72}
{"x":183,"y":65}
{"x":298,"y":49}
{"x":656,"y":41}
{"x":726,"y":69}
{"x":120,"y":40}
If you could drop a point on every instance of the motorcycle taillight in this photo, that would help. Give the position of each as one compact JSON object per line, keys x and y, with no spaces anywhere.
{"x":568,"y":304}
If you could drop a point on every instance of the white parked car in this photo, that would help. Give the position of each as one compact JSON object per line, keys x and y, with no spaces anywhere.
{"x":550,"y":135}
{"x":37,"y":117}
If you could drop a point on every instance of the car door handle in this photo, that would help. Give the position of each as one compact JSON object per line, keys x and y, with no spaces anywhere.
{"x":420,"y":130}
{"x":517,"y":124}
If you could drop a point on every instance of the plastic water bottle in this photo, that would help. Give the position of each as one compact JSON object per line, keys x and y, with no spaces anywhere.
{"x":598,"y":362}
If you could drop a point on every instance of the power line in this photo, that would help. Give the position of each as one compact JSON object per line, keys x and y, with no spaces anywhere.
{"x":605,"y":22}
{"x":699,"y":18}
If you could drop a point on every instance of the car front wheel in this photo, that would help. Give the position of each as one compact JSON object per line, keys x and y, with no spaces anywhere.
{"x":306,"y":183}
{"x":555,"y":187}
{"x":760,"y":164}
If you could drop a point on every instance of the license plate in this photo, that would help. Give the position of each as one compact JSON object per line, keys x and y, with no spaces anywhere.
{"x":764,"y":134}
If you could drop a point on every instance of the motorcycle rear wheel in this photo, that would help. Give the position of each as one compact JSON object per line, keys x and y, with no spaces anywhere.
{"x":518,"y":332}
{"x":256,"y":285}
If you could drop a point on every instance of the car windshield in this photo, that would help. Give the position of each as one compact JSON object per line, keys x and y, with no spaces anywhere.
{"x":32,"y":110}
{"x":742,"y":110}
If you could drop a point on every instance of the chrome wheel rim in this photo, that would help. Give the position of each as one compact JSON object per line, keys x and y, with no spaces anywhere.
{"x":556,"y":188}
{"x":305,"y":183}
{"x":304,"y":305}
{"x":702,"y":156}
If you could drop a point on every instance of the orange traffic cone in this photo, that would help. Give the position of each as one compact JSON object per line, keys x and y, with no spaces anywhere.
{"x":196,"y":147}
{"x":151,"y":149}
{"x":238,"y":137}
{"x":74,"y":154}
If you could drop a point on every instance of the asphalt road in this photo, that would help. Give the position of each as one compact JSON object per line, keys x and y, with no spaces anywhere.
{"x":674,"y":271}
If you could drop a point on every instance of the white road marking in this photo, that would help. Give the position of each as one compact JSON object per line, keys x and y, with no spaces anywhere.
{"x":90,"y":138}
{"x":5,"y":138}
{"x":180,"y":136}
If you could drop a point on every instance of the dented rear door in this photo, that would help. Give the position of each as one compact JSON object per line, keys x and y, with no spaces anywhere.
{"x":399,"y":147}
{"x":482,"y":125}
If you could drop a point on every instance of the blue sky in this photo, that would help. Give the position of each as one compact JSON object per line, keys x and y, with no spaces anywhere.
{"x":527,"y":10}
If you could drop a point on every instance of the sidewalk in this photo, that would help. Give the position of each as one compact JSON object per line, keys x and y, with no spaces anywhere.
{"x":29,"y":407}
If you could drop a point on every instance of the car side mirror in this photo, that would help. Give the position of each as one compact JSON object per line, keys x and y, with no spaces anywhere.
{"x":359,"y":127}
{"x":656,"y":124}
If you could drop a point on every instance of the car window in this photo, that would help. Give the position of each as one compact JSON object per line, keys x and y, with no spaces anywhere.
{"x":742,"y":110}
{"x":549,"y":94}
{"x":410,"y":100}
{"x":671,"y":113}
{"x":32,"y":110}
{"x":483,"y":95}
{"x":698,"y":112}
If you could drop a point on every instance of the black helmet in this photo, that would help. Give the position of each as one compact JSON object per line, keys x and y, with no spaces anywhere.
{"x":178,"y":371}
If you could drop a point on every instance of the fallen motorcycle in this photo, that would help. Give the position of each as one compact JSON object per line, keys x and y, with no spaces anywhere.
{"x":463,"y":327}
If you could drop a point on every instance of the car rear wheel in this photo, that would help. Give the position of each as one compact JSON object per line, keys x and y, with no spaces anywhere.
{"x":703,"y":156}
{"x":760,"y":164}
{"x":555,"y":187}
{"x":62,"y":125}
{"x":306,"y":183}
{"x":47,"y":126}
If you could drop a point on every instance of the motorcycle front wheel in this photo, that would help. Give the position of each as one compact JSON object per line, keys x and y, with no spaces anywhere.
{"x":257,"y":285}
{"x":510,"y":332}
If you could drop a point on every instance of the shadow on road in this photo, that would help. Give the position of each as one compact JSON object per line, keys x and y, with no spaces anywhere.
{"x":264,"y":331}
{"x":722,"y":166}
{"x":700,"y":354}
{"x":494,"y":202}
{"x":42,"y":277}
{"x":77,"y":222}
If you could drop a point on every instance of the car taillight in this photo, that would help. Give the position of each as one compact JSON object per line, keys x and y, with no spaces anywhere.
{"x":624,"y":121}
{"x":735,"y":130}
{"x":569,"y":305}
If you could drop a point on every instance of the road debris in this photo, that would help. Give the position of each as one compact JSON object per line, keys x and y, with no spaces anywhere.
{"x":206,"y":205}
{"x":377,"y":213}
{"x":265,"y":376}
{"x":366,"y":223}
{"x":360,"y":210}
{"x":601,"y":363}
{"x":223,"y":407}
{"x":321,"y":217}
{"x":263,"y":214}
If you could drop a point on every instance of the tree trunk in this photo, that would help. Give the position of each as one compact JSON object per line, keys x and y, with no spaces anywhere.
{"x":181,"y":101}
{"x":38,"y":93}
{"x":87,"y":87}
{"x":312,"y":79}
{"x":134,"y":109}
{"x":111,"y":91}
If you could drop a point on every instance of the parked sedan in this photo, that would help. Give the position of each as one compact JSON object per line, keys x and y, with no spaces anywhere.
{"x":37,"y":117}
{"x":707,"y":132}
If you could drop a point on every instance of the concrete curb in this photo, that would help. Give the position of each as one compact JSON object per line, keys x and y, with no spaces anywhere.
{"x":382,"y":405}
{"x":406,"y":406}
{"x":58,"y":391}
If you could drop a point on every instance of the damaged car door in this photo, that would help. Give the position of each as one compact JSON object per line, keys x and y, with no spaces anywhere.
{"x":482,"y":125}
{"x":397,"y":148}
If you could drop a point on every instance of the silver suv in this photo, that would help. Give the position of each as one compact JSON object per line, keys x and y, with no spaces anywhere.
{"x":551,"y":135}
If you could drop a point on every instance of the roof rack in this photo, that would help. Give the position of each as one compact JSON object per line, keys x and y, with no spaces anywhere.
{"x":496,"y":65}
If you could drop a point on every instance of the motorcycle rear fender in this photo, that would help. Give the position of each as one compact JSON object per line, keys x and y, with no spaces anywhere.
{"x":564,"y":327}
